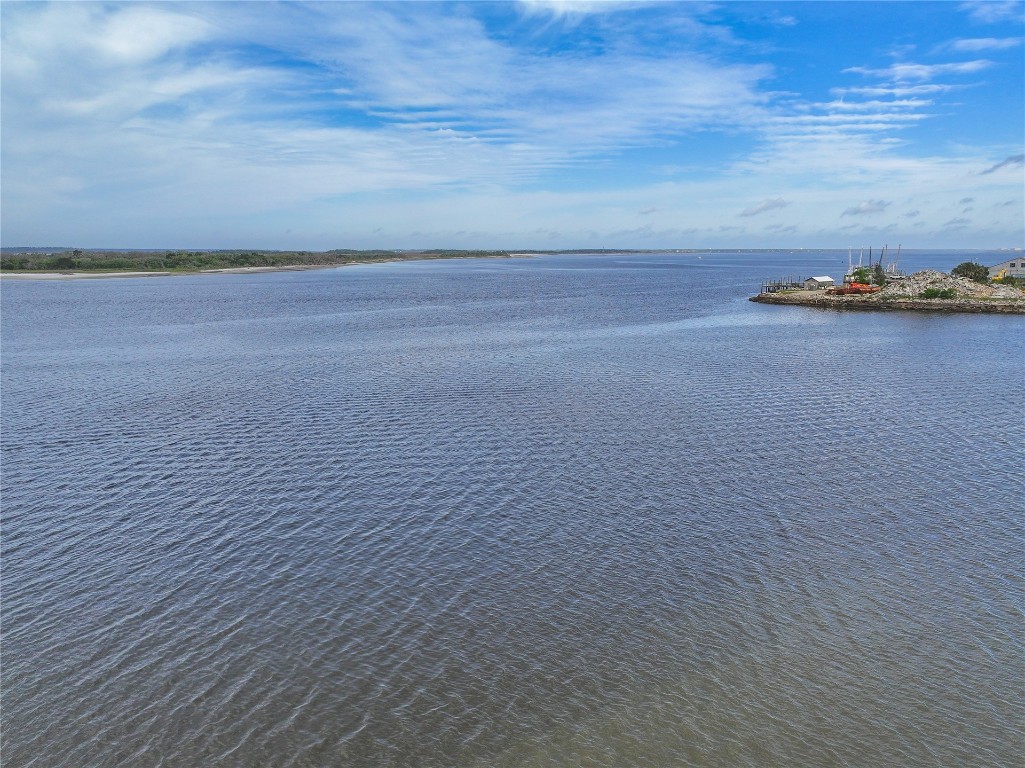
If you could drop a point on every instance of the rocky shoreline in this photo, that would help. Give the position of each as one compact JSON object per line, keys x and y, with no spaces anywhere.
{"x":906,"y":294}
{"x":873,"y":304}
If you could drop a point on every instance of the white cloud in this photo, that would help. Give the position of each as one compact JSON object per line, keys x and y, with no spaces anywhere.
{"x":903,"y":72}
{"x":144,"y":33}
{"x":59,"y":34}
{"x":985,"y":43}
{"x":895,"y":91}
{"x":867,"y":207}
{"x":578,"y":7}
{"x":993,"y":11}
{"x":875,"y":105}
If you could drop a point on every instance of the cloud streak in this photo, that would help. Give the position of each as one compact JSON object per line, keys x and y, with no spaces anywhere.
{"x":1013,"y":160}
{"x":904,"y":72}
{"x":767,"y":205}
{"x":985,"y":43}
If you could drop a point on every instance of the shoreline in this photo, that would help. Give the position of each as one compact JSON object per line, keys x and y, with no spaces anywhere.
{"x":100,"y":275}
{"x":82,"y":275}
{"x":873,"y":303}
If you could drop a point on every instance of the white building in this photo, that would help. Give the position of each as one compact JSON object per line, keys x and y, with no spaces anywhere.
{"x":817,"y":283}
{"x":1014,"y":267}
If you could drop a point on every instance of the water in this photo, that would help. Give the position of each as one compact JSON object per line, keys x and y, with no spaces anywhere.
{"x":571,"y":510}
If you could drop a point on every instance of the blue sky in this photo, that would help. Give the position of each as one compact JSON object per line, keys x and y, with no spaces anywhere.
{"x":513,"y":125}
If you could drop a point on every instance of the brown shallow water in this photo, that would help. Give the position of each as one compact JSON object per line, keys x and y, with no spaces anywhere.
{"x":558,"y":511}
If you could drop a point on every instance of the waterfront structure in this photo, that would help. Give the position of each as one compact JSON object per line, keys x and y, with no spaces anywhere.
{"x":1010,"y":268}
{"x":817,"y":283}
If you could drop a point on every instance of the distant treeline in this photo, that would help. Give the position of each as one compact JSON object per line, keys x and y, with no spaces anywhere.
{"x":192,"y":261}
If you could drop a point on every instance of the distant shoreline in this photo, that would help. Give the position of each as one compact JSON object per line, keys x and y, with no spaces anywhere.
{"x":100,"y":275}
{"x":82,"y":271}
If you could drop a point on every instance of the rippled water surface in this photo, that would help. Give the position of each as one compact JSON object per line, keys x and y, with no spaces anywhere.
{"x":569,"y":510}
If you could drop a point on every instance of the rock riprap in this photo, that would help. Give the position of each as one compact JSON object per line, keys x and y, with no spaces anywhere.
{"x":913,"y":286}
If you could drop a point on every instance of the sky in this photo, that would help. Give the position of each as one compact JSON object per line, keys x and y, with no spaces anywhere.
{"x":512,"y":125}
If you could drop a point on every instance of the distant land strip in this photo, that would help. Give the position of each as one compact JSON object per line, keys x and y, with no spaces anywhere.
{"x":33,"y":260}
{"x":73,"y":262}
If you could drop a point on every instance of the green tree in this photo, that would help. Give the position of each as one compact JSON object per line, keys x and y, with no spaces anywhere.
{"x":972,"y":271}
{"x":862,"y":275}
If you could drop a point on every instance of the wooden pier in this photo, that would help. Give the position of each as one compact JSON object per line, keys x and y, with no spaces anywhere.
{"x":783,"y":284}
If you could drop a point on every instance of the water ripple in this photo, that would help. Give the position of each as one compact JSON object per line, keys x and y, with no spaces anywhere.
{"x":562,"y":511}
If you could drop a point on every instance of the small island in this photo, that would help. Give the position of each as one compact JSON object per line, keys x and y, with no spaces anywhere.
{"x":967,"y":289}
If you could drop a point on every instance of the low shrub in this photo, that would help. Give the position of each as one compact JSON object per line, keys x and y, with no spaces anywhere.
{"x":938,"y":293}
{"x":1014,"y":282}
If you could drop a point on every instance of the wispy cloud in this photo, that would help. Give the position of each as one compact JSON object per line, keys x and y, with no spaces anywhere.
{"x":867,"y":207}
{"x":895,"y":91}
{"x":993,"y":11}
{"x":766,"y":205}
{"x":1013,"y":160}
{"x":427,"y":71}
{"x":571,"y":8}
{"x":903,"y":72}
{"x":439,"y":100}
{"x":456,"y":114}
{"x":984,"y":43}
{"x":875,"y":105}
